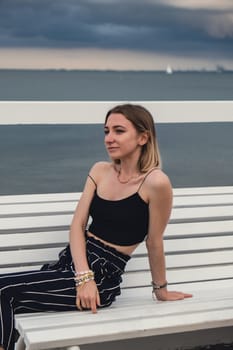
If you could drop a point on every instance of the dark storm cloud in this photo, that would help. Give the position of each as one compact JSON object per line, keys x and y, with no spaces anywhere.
{"x":116,"y":24}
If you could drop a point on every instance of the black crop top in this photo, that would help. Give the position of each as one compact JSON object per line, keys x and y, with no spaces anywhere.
{"x":122,"y":222}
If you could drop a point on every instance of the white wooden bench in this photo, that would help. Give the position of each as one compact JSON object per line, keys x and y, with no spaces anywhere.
{"x":199,"y":255}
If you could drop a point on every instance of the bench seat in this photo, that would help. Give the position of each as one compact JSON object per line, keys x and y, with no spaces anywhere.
{"x":199,"y":257}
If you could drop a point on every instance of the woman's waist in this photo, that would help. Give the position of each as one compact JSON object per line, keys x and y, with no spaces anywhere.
{"x":127,"y":250}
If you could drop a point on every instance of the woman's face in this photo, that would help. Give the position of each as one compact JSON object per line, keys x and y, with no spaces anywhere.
{"x":121,"y":138}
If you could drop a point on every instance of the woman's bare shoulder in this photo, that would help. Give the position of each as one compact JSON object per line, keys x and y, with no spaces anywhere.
{"x":158,"y":181}
{"x":101,"y":165}
{"x":99,"y":168}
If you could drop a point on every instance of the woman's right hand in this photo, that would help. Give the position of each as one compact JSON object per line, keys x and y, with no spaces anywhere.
{"x":88,"y":296}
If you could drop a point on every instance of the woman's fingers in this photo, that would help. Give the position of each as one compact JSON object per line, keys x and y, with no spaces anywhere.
{"x":178,"y":295}
{"x":187,"y":295}
{"x":87,"y":300}
{"x":98,"y":299}
{"x":171,"y":296}
{"x":78,"y":303}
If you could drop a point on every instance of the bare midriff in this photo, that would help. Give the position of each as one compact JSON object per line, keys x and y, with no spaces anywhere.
{"x":128,"y":250}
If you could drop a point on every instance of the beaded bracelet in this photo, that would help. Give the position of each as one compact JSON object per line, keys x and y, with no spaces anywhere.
{"x":79,"y":273}
{"x":85,"y":277}
{"x":81,"y":282}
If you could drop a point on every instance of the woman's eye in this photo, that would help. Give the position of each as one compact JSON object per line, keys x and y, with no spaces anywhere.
{"x":106,"y":132}
{"x":119,"y":131}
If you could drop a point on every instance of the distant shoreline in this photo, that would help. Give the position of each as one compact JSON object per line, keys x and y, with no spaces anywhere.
{"x":203,"y":70}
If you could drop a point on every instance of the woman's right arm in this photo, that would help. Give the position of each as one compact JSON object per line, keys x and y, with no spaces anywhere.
{"x":87,"y":294}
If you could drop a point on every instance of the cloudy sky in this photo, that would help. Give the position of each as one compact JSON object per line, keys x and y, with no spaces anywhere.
{"x":116,"y":34}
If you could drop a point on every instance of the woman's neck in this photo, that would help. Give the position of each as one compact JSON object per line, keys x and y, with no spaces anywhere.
{"x":126,"y":172}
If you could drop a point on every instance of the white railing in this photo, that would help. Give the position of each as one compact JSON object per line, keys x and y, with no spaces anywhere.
{"x":93,"y":112}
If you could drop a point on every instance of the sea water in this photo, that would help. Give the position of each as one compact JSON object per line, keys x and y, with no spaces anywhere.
{"x":57,"y":158}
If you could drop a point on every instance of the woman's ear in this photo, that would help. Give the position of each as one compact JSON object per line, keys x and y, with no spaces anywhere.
{"x":143,"y":138}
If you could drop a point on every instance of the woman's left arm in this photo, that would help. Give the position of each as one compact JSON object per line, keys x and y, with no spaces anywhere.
{"x":160,"y":205}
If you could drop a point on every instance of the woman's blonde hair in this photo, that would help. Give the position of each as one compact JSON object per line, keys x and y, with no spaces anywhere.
{"x":143,"y":122}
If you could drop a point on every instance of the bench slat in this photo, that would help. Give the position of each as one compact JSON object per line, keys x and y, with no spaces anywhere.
{"x":149,"y":308}
{"x":47,"y":197}
{"x":185,"y":260}
{"x":199,"y":243}
{"x":184,"y":275}
{"x":35,"y":222}
{"x":39,"y":208}
{"x":192,"y":201}
{"x":130,"y":323}
{"x":206,"y":213}
{"x":24,"y":257}
{"x":199,"y":228}
{"x":203,"y":190}
{"x":32,"y":239}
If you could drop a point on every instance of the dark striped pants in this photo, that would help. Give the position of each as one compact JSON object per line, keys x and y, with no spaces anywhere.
{"x":53,"y":288}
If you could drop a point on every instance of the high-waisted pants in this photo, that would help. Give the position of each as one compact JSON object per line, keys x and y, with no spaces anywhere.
{"x":53,"y":287}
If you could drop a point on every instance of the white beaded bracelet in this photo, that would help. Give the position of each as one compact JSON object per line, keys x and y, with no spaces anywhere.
{"x":80,"y":273}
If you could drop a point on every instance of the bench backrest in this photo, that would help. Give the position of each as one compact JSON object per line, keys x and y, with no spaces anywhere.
{"x":198,"y":239}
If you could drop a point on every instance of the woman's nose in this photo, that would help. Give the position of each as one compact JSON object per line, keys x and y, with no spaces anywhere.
{"x":109,"y":138}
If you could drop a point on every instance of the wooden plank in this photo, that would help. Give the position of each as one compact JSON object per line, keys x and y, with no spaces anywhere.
{"x":211,"y":200}
{"x":36,"y":222}
{"x":45,"y":197}
{"x":37,"y":208}
{"x":191,"y":244}
{"x":206,"y":213}
{"x":203,"y":190}
{"x":200,"y":291}
{"x":32,"y":239}
{"x":193,"y":229}
{"x":149,"y":309}
{"x":199,"y":244}
{"x":25,"y":256}
{"x":15,"y":269}
{"x":136,"y":324}
{"x":184,"y":275}
{"x":176,"y":261}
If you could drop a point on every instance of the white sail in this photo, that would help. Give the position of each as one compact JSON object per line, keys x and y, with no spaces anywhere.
{"x":169,"y":70}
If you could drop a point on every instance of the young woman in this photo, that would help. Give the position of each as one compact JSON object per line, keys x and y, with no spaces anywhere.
{"x":129,"y":200}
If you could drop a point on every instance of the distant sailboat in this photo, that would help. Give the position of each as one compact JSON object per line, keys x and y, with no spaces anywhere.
{"x":169,"y":70}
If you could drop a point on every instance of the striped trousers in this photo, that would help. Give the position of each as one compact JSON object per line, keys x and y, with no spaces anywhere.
{"x":53,"y":288}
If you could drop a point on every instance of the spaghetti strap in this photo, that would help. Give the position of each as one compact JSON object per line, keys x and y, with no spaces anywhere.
{"x":142,"y":182}
{"x":92,"y":180}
